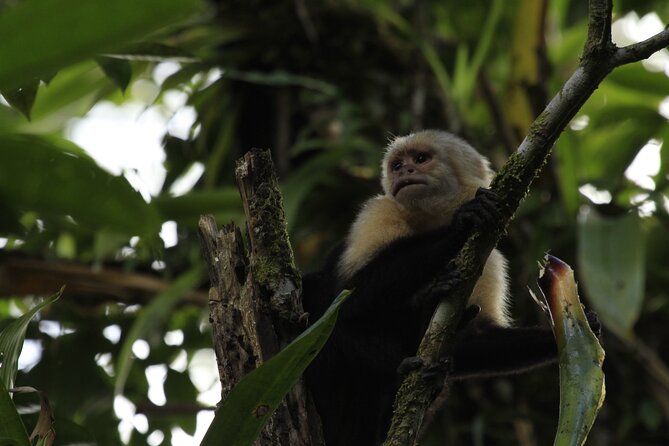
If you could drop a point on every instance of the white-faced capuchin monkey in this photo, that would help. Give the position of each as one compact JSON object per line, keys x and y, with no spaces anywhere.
{"x":400,"y":240}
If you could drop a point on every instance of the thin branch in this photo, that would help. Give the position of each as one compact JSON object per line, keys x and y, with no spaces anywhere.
{"x":599,"y":58}
{"x":21,"y":275}
{"x":641,"y":50}
{"x":599,"y":27}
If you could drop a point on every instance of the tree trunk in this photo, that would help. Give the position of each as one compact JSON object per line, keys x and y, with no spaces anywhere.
{"x":254,"y":299}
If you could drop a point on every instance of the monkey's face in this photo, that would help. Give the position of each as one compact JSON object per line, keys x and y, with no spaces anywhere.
{"x":415,"y":173}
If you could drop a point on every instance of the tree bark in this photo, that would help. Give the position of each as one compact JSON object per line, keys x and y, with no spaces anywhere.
{"x":255,"y":306}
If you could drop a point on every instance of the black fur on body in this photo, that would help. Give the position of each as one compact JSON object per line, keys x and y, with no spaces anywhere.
{"x":354,"y":379}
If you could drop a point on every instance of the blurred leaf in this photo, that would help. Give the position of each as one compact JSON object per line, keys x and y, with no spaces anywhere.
{"x":12,"y":430}
{"x":526,"y":70}
{"x":299,"y":184}
{"x":611,"y":256}
{"x":566,"y":156}
{"x":152,"y":51}
{"x":23,"y":97}
{"x":466,"y":71}
{"x":71,"y":93}
{"x":43,"y":433}
{"x":663,"y":135}
{"x":54,"y":176}
{"x":11,"y":342}
{"x":582,"y":388}
{"x":118,"y":70}
{"x":636,"y":78}
{"x":188,"y":208}
{"x":179,"y":388}
{"x":151,"y":317}
{"x":607,"y":151}
{"x":281,"y":78}
{"x":255,"y":398}
{"x":100,"y":26}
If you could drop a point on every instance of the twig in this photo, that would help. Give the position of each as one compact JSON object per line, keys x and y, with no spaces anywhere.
{"x":599,"y":58}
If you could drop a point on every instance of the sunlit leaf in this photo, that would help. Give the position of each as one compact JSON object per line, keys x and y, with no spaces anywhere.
{"x":611,"y":256}
{"x":581,"y":356}
{"x":253,"y":400}
{"x":55,"y":177}
{"x":63,"y":32}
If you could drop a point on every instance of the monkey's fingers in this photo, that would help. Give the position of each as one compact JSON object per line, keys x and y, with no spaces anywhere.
{"x":480,"y":212}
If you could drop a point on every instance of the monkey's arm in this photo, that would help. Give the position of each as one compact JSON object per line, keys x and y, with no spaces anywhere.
{"x":391,"y":279}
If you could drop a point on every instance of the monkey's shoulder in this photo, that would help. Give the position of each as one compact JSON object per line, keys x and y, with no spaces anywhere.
{"x":380,"y":222}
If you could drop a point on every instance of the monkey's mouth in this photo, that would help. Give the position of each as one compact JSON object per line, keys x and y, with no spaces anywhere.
{"x":407,"y":182}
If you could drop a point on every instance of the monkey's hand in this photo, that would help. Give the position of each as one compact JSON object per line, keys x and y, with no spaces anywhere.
{"x":481,"y":211}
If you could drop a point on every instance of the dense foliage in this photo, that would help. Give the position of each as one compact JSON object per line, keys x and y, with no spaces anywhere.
{"x":323,"y":84}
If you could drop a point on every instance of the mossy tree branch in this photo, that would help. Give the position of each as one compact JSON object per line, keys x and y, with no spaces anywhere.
{"x":254,"y":302}
{"x":600,"y":56}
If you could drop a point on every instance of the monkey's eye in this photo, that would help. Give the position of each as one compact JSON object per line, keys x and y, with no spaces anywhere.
{"x":422,"y":158}
{"x":396,"y":165}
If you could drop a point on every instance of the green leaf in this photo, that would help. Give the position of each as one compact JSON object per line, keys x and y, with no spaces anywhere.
{"x":281,"y":78}
{"x":55,"y":177}
{"x":118,"y":70}
{"x":611,"y":256}
{"x":12,"y":430}
{"x":41,"y":36}
{"x":253,"y":400}
{"x":23,"y":97}
{"x":151,"y":52}
{"x":151,"y":317}
{"x":635,"y":77}
{"x":566,"y":158}
{"x":188,"y":208}
{"x":11,"y":342}
{"x":581,"y":357}
{"x":599,"y":163}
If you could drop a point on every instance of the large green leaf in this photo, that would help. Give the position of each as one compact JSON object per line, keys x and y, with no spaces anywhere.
{"x":12,"y":430}
{"x":611,"y":257}
{"x":41,"y":36}
{"x":581,"y":356}
{"x":55,"y":177}
{"x":11,"y":342}
{"x":253,"y":400}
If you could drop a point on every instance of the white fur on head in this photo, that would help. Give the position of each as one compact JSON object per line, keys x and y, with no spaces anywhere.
{"x":462,"y":170}
{"x":383,"y":219}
